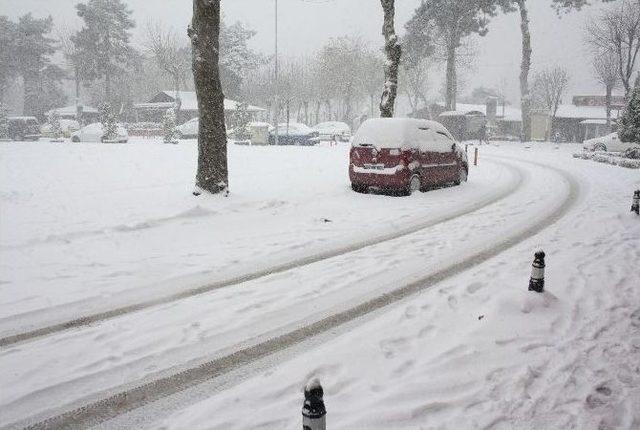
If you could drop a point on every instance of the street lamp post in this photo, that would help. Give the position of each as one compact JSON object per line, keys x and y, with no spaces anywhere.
{"x":276,"y":81}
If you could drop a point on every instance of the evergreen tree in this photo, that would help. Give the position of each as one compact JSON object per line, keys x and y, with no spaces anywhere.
{"x":108,"y":120}
{"x":629,"y":127}
{"x":103,"y":42}
{"x":54,"y":122}
{"x":240,"y":122}
{"x":4,"y":123}
{"x":169,"y":126}
{"x":41,"y":78}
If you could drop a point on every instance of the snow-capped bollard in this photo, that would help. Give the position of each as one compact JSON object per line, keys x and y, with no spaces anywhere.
{"x":536,"y":283}
{"x":475,"y":157}
{"x":635,"y":205}
{"x":314,"y":414}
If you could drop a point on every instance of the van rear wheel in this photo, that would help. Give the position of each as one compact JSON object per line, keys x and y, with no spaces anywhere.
{"x":414,"y":185}
{"x":462,"y":176}
{"x":359,"y":188}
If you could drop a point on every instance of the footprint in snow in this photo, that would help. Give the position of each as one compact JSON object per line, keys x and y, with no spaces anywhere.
{"x":453,"y":302}
{"x":474,"y":287}
{"x":410,"y":312}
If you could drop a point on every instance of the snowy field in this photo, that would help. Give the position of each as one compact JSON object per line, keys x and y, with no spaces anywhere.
{"x":86,"y":228}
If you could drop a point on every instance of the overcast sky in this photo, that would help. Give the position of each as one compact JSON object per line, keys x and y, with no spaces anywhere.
{"x":305,"y":25}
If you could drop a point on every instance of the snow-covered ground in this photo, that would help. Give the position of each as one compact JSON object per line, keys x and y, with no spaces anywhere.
{"x":88,"y":227}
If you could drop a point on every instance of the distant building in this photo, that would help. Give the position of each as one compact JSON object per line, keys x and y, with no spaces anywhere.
{"x":156,"y":107}
{"x":584,"y":119}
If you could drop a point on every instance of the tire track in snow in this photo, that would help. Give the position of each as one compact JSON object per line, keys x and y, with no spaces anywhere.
{"x":301,"y":262}
{"x":126,"y":401}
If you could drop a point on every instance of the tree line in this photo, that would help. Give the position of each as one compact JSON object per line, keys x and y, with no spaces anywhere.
{"x":37,"y":58}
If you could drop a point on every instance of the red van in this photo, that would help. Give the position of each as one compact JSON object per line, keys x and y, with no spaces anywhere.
{"x":404,"y":154}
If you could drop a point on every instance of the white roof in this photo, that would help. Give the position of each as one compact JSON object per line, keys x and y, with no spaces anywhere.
{"x":189,"y":101}
{"x":511,"y":113}
{"x":72,"y":110}
{"x":514,"y":114}
{"x":584,"y":112}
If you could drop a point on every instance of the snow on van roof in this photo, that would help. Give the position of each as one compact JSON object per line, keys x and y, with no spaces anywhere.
{"x":393,"y":132}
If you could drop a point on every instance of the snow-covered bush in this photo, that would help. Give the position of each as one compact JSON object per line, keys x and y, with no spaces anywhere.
{"x":108,"y":120}
{"x":632,"y":153}
{"x":240,"y":122}
{"x":606,"y":158}
{"x":629,"y":128}
{"x":4,"y":123}
{"x":169,"y":126}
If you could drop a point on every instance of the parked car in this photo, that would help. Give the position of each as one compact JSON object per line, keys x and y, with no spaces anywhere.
{"x":23,"y":128}
{"x":188,"y":130}
{"x":94,"y":133}
{"x":294,"y":133}
{"x":610,"y":142}
{"x":67,"y":126}
{"x":252,"y":126}
{"x":333,"y":130}
{"x":406,"y":155}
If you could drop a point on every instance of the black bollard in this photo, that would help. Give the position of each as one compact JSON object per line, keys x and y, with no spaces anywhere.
{"x":314,"y":414}
{"x":536,"y":282}
{"x":635,"y":205}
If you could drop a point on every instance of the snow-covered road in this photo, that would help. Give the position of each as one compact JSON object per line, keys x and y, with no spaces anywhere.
{"x":333,"y":305}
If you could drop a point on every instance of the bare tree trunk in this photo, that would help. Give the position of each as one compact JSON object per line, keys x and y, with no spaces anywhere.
{"x":394,"y":52}
{"x":609,"y":90}
{"x":525,"y":95}
{"x":450,"y":97}
{"x":107,"y":85}
{"x":212,"y":174}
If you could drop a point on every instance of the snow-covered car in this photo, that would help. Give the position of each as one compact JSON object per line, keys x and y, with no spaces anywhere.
{"x":67,"y":126}
{"x":188,"y":130}
{"x":404,"y":154}
{"x":94,"y":133}
{"x":610,"y":142}
{"x":294,"y":133}
{"x":231,"y":132}
{"x":333,"y":130}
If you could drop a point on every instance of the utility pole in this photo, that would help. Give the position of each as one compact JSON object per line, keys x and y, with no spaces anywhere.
{"x":276,"y":79}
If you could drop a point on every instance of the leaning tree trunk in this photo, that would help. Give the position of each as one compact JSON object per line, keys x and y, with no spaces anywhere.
{"x":608,"y":97}
{"x":525,"y":95}
{"x":393,"y":51}
{"x":212,"y":175}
